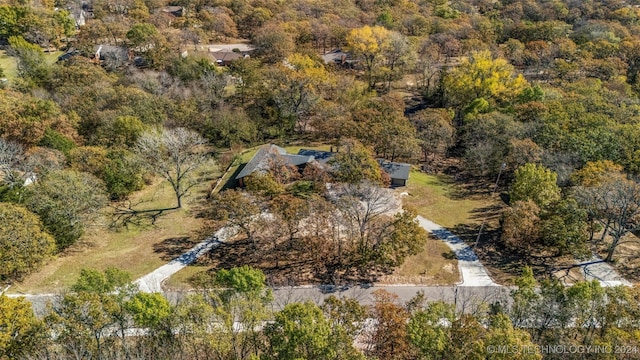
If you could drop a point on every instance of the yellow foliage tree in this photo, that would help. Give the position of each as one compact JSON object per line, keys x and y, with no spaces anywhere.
{"x":481,"y":77}
{"x":368,"y":43}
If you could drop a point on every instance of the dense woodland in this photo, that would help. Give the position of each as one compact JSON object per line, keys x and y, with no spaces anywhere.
{"x":543,"y":93}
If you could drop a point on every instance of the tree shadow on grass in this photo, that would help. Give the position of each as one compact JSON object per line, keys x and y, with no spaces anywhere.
{"x":502,"y":262}
{"x":172,"y":248}
{"x":286,"y":265}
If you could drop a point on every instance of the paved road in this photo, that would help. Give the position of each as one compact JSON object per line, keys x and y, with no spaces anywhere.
{"x":466,"y":298}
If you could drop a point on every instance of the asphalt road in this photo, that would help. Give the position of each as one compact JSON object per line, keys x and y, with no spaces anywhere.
{"x":466,"y":298}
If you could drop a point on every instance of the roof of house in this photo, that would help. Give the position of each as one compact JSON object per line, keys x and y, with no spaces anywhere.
{"x":395,"y":170}
{"x":318,"y":155}
{"x":227,"y":55}
{"x":262,"y":160}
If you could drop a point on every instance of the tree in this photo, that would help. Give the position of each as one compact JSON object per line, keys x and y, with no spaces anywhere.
{"x":534,"y":182}
{"x":482,"y":77}
{"x":296,"y":88}
{"x":615,"y":203}
{"x":521,"y":225}
{"x":21,"y":333}
{"x":149,"y":310}
{"x":66,"y":201}
{"x":241,"y":295}
{"x":355,"y":163}
{"x":503,"y":333}
{"x":301,"y":331}
{"x":429,"y":330}
{"x":175,"y":155}
{"x":238,"y":209}
{"x":382,"y":125}
{"x":368,"y":43}
{"x":435,"y":131}
{"x":85,"y":320}
{"x":273,"y":43}
{"x":564,"y":227}
{"x":290,"y":212}
{"x":32,"y":67}
{"x":406,"y":238}
{"x":390,"y":337}
{"x":23,"y":242}
{"x":362,"y":205}
{"x":11,"y":158}
{"x":146,"y":39}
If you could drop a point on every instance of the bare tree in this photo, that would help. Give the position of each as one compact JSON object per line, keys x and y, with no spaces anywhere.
{"x":615,"y":203}
{"x":11,"y":156}
{"x":361,"y":205}
{"x":173,"y":154}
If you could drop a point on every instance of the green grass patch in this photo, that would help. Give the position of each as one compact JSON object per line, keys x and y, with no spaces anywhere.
{"x":182,"y":279}
{"x":10,"y":64}
{"x":136,"y":250}
{"x":441,"y":200}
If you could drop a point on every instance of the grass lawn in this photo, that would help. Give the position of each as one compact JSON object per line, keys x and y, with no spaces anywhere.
{"x":9,"y":63}
{"x":439,"y":199}
{"x":137,"y":250}
{"x":452,"y":205}
{"x":435,"y":265}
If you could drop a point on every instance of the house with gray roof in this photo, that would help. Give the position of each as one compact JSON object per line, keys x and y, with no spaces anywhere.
{"x":268,"y":154}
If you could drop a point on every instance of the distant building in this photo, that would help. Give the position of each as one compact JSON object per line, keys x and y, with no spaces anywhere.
{"x":225,"y":58}
{"x":268,"y":154}
{"x":339,"y":58}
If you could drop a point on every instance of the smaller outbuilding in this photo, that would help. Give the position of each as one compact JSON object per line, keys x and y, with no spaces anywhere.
{"x":398,"y":172}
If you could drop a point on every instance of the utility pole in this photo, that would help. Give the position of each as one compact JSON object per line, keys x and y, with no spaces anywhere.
{"x":495,"y":187}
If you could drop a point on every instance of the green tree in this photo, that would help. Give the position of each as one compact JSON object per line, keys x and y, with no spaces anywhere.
{"x":32,"y":67}
{"x":125,"y":130}
{"x":406,"y":238}
{"x":502,"y":333}
{"x":535,"y":182}
{"x":149,"y":310}
{"x":25,"y":245}
{"x":301,"y":331}
{"x":21,"y":332}
{"x":429,"y":330}
{"x":66,"y":201}
{"x":355,"y":163}
{"x":109,"y":280}
{"x":84,"y":320}
{"x":237,"y":296}
{"x":564,"y":227}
